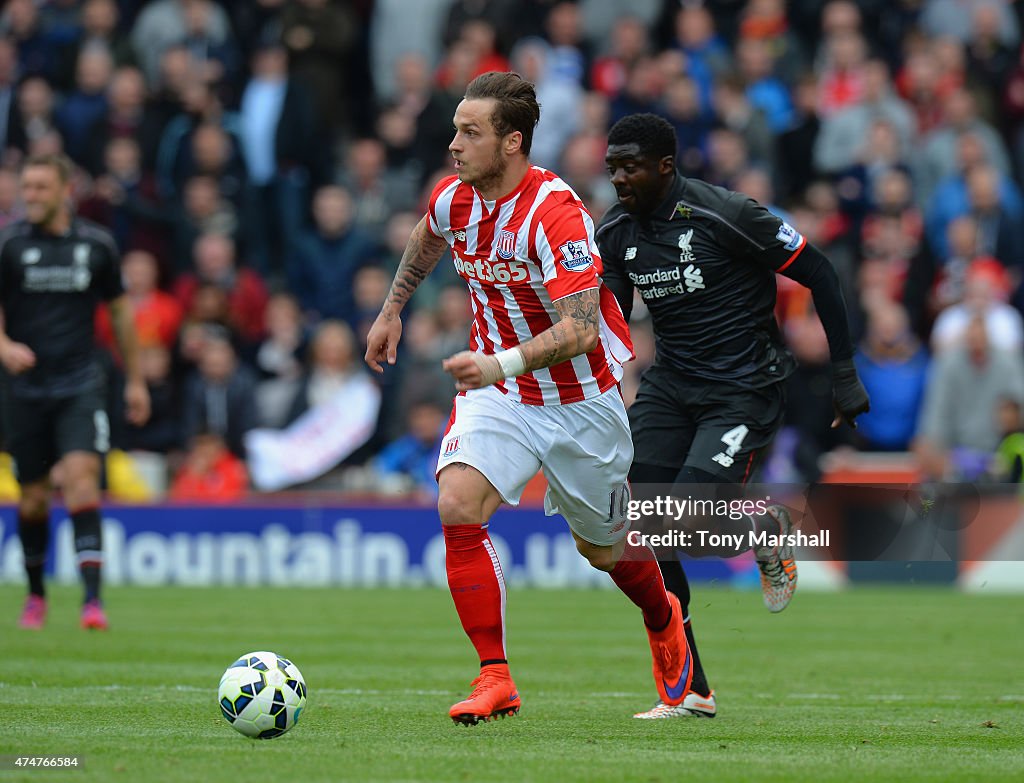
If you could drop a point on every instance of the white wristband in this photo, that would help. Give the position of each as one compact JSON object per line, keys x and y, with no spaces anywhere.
{"x":511,"y":362}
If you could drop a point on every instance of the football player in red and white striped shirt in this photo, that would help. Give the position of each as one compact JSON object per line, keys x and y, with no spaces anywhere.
{"x":538,"y":387}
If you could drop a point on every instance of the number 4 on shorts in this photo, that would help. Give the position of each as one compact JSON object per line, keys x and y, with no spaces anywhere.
{"x":733,"y":439}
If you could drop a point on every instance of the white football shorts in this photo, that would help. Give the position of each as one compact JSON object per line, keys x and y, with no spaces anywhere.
{"x":584,"y":449}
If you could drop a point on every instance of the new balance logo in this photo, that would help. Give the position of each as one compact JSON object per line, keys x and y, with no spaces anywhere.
{"x":630,"y":254}
{"x":694,"y":279}
{"x":459,"y":234}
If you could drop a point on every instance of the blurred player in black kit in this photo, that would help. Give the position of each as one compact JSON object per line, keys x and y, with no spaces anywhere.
{"x":54,"y":269}
{"x":704,"y":261}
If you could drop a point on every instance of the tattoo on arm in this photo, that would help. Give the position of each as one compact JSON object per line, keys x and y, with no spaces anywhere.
{"x":582,"y":308}
{"x":574,"y":334}
{"x":419,"y":259}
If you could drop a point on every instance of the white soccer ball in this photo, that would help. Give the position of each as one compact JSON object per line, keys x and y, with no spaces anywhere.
{"x":262,"y":695}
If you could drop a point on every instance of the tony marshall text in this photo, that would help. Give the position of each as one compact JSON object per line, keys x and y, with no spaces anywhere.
{"x":739,"y":542}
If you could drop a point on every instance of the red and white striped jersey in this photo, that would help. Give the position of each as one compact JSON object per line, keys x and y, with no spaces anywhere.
{"x":519,"y":254}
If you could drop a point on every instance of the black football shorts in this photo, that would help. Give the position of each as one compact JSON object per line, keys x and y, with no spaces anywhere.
{"x":723,"y":429}
{"x":41,"y":431}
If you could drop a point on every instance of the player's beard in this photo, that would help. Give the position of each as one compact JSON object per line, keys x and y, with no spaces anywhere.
{"x":492,"y":174}
{"x":47,"y":215}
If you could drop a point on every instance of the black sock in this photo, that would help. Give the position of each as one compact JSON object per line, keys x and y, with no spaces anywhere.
{"x":91,"y":580}
{"x":89,"y":546}
{"x":35,"y":538}
{"x":675,"y":582}
{"x":700,"y":680}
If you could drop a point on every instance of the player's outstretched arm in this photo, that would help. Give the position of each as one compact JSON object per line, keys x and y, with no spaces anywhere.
{"x":576,"y":332}
{"x":419,"y":259}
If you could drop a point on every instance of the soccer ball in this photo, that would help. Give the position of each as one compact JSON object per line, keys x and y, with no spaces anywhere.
{"x":262,"y":695}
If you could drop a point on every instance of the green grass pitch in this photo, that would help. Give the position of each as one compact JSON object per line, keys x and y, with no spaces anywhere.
{"x":893,"y":684}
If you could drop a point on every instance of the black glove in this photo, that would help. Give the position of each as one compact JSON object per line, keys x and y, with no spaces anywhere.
{"x":848,"y":394}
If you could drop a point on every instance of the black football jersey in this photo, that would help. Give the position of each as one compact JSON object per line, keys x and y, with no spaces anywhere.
{"x":49,"y":288}
{"x":704,"y":263}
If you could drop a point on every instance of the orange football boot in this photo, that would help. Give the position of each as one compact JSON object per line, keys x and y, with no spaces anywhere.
{"x":494,"y":694}
{"x":673,"y":669}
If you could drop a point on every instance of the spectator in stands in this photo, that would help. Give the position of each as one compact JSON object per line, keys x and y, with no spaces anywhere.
{"x":369,"y":290}
{"x":842,"y":77}
{"x":946,"y":18}
{"x":214,"y":56}
{"x":217,"y":153}
{"x":1008,"y":464}
{"x":763,"y":89}
{"x":583,"y":167}
{"x":279,"y":359}
{"x":681,"y":106}
{"x":841,"y":140}
{"x":986,"y":289}
{"x":213,"y":152}
{"x":157,"y":314}
{"x":795,"y":169}
{"x":283,"y":156}
{"x":210,"y":307}
{"x":320,"y":36}
{"x":220,"y":397}
{"x":999,"y":223}
{"x":100,"y":21}
{"x":325,"y":260}
{"x":124,"y":199}
{"x":37,"y":52}
{"x":211,"y":473}
{"x":765,"y":22}
{"x":10,"y":124}
{"x":958,"y":430}
{"x":641,"y":92}
{"x":86,"y":103}
{"x":161,"y":434}
{"x":559,"y":94}
{"x":952,"y":197}
{"x":127,"y":116}
{"x":629,"y":42}
{"x":399,"y":29}
{"x":728,"y":157}
{"x":736,"y":112}
{"x":35,"y":114}
{"x":203,"y":211}
{"x":216,"y":264}
{"x":893,"y":366}
{"x":377,"y":191}
{"x":693,"y":33}
{"x":938,"y":156}
{"x":333,"y":415}
{"x":166,"y":23}
{"x":410,"y":461}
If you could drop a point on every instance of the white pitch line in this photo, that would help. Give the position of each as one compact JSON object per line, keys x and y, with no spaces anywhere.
{"x":883,"y":697}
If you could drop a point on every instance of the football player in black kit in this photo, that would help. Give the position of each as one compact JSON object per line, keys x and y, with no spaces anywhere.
{"x":54,"y":269}
{"x":704,"y":261}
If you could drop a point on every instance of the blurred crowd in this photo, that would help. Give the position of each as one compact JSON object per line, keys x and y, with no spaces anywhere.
{"x":262,"y":162}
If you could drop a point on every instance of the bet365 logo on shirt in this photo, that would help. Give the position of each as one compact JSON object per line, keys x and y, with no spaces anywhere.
{"x":491,"y":271}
